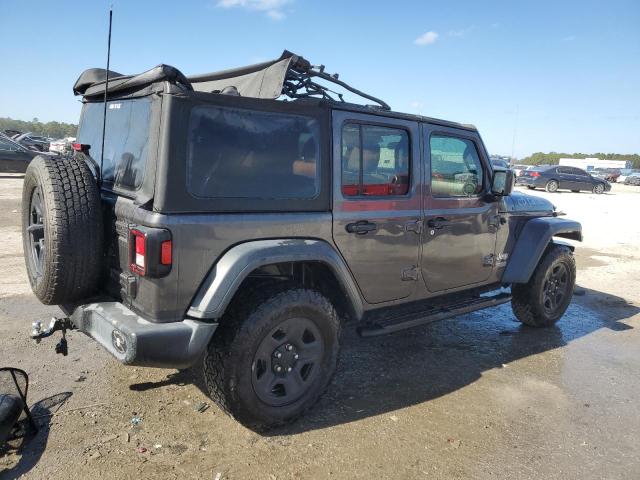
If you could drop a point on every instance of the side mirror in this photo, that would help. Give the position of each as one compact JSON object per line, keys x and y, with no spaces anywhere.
{"x":502,"y":182}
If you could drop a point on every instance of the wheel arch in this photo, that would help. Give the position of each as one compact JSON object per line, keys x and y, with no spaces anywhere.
{"x":312,"y":262}
{"x":532,"y":242}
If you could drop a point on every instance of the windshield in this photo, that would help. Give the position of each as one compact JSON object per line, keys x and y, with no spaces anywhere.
{"x":126,"y":142}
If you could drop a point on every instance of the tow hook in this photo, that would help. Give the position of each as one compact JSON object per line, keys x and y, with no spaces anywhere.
{"x":62,"y":324}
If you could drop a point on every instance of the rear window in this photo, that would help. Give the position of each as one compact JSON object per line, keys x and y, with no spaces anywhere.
{"x":126,"y":141}
{"x":236,"y":153}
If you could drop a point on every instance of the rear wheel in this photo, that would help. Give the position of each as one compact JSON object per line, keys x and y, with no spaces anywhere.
{"x":551,"y":186}
{"x":544,"y":299}
{"x":273,"y":356}
{"x":598,"y":188}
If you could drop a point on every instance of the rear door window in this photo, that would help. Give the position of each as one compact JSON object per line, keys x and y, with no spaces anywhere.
{"x":236,"y":153}
{"x":375,"y":160}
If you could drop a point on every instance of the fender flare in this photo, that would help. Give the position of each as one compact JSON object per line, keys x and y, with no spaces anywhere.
{"x":532,"y":242}
{"x":224,"y":278}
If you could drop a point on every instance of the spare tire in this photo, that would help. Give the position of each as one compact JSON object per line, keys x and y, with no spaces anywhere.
{"x":61,"y":229}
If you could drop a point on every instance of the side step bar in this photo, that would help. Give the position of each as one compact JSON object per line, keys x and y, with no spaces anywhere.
{"x":422,"y":318}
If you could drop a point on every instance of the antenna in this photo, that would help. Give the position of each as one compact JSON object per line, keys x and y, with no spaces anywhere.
{"x":106,"y":89}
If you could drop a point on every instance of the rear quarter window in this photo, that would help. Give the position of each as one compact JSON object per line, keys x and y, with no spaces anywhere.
{"x":237,"y":153}
{"x":126,"y":142}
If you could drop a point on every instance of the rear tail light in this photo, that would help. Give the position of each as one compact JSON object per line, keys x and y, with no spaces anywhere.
{"x":138,"y":248}
{"x":81,"y":147}
{"x":534,"y":174}
{"x":150,"y":251}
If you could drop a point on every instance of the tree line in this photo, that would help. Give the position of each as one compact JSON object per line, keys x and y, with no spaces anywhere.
{"x":553,"y":158}
{"x":48,"y":129}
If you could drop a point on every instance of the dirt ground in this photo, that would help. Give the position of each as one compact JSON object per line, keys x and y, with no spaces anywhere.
{"x":476,"y":397}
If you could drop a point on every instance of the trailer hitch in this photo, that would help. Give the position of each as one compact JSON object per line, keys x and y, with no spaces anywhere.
{"x":62,"y":324}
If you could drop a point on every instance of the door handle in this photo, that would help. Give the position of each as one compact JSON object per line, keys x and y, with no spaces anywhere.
{"x":361,"y":228}
{"x":438,"y":223}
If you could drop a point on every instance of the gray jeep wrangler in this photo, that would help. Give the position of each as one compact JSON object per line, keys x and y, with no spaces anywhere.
{"x":236,"y":220}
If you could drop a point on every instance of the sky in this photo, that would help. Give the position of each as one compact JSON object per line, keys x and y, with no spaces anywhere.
{"x":533,"y":76}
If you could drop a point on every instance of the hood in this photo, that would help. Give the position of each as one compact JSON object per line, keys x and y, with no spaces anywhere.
{"x":519,"y":202}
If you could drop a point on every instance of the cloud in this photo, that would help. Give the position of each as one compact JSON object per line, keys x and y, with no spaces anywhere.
{"x":460,"y":33}
{"x":274,"y":9}
{"x":426,"y":38}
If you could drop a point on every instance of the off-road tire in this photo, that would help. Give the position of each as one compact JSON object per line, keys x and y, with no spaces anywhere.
{"x":229,"y":359}
{"x":551,"y":186}
{"x":598,"y":188}
{"x":71,"y":215}
{"x":527,"y":299}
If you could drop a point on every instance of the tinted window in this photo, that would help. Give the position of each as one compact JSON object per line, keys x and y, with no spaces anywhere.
{"x":235,"y":153}
{"x":456,"y":170}
{"x":126,"y":142}
{"x":375,"y":160}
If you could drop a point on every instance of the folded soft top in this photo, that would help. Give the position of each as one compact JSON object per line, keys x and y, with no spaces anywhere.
{"x":289,"y":75}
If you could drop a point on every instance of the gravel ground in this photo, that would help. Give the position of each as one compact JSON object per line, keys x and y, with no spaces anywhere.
{"x":475,"y":397}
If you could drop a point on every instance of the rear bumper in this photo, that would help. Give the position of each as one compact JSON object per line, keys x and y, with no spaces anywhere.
{"x":136,"y":341}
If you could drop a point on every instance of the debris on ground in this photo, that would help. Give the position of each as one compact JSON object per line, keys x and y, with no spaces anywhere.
{"x":201,"y":407}
{"x":454,"y":442}
{"x":136,"y":420}
{"x":141,"y":450}
{"x":80,"y":378}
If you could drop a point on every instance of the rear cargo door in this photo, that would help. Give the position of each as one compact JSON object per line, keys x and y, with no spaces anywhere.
{"x":377,"y":202}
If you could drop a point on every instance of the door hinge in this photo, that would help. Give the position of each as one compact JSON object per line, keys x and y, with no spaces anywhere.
{"x":413,"y":226}
{"x":410,"y":274}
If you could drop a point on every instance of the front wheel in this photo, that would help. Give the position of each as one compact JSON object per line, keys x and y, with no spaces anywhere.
{"x":273,"y":356}
{"x":598,"y":188}
{"x":551,"y":186}
{"x":543,"y":300}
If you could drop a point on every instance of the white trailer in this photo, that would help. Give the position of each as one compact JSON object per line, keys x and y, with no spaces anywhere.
{"x":592,"y":163}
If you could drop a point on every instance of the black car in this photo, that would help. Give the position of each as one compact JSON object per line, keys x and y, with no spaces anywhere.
{"x":33,"y":142}
{"x":14,"y":158}
{"x":555,"y":177}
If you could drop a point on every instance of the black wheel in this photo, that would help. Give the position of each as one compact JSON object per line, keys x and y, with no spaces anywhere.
{"x":543,"y":301}
{"x":273,"y":356}
{"x":551,"y":186}
{"x":531,"y":187}
{"x":598,"y":188}
{"x":61,"y":229}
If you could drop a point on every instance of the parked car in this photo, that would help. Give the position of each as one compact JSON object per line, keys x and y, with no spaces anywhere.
{"x":518,"y":169}
{"x":241,"y":231}
{"x":632,"y":179}
{"x":553,"y":178}
{"x":500,"y":163}
{"x":608,"y":174}
{"x":33,"y":142}
{"x":625,"y":172}
{"x":62,"y":146}
{"x":14,"y":158}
